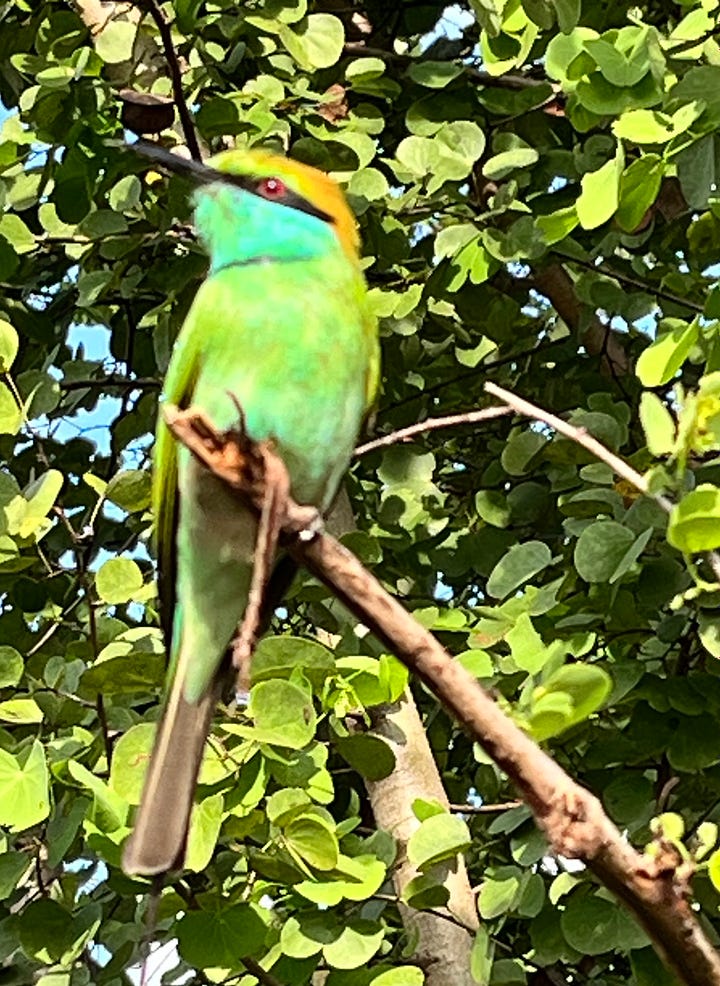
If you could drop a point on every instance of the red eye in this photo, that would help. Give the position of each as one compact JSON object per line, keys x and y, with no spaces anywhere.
{"x":272,"y":188}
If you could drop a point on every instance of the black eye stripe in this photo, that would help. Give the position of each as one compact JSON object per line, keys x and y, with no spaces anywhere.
{"x":201,"y":174}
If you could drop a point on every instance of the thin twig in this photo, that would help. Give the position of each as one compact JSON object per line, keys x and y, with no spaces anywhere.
{"x":176,"y":77}
{"x":140,"y":383}
{"x":255,"y":969}
{"x":513,"y":82}
{"x":484,"y":369}
{"x":485,"y":809}
{"x":596,"y":448}
{"x":633,"y":282}
{"x":433,"y":424}
{"x":582,"y":437}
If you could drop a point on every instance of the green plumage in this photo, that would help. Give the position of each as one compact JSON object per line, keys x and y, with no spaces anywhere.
{"x":281,"y":325}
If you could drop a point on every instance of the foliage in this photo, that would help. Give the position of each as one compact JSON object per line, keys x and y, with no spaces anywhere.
{"x":536,"y":193}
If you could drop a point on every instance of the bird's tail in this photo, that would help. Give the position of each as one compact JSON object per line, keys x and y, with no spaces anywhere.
{"x":157,"y":843}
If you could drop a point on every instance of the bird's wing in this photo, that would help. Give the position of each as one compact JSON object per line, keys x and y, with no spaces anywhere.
{"x":370,"y":331}
{"x":178,"y":389}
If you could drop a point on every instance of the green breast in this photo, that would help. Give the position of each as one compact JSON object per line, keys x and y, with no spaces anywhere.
{"x":289,"y":341}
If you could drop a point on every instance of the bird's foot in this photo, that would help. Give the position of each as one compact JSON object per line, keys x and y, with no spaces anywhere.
{"x":315,"y":526}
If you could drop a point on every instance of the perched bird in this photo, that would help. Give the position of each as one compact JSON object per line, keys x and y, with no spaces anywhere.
{"x":280,"y":328}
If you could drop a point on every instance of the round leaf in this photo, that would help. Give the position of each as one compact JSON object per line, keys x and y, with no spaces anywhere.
{"x":118,"y":580}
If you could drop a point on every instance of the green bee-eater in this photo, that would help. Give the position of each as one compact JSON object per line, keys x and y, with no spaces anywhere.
{"x":281,"y":327}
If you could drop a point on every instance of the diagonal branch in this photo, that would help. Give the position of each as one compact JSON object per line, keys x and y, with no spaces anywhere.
{"x":432,"y":424}
{"x":582,"y":437}
{"x":655,"y":889}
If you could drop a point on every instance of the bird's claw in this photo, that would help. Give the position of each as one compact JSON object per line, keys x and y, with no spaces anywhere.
{"x":311,"y":528}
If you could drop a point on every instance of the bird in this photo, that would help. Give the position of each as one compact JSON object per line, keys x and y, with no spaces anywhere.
{"x":281,"y":328}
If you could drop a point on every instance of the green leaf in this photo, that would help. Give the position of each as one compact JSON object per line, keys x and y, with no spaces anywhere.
{"x":283,"y":714}
{"x":477,"y":662}
{"x":308,"y":838}
{"x":644,"y":127}
{"x":438,"y":837}
{"x":499,"y":892}
{"x":303,"y":936}
{"x":658,"y":424}
{"x":458,"y":146}
{"x":698,"y":168}
{"x":364,"y":67}
{"x":118,"y":580}
{"x":114,"y":42}
{"x":17,"y":233}
{"x":219,"y":938}
{"x":20,"y":710}
{"x":132,"y":662}
{"x":639,"y":187}
{"x":374,"y":682}
{"x":9,"y":344}
{"x":615,"y":66}
{"x":369,"y":755}
{"x":714,"y":869}
{"x":600,"y":193}
{"x":662,"y":359}
{"x":10,"y":413}
{"x":125,"y":194}
{"x":521,"y":563}
{"x":593,"y":925}
{"x":369,"y":183}
{"x":205,"y":823}
{"x":501,"y":165}
{"x":279,"y":656}
{"x":450,"y":240}
{"x":354,"y":878}
{"x":694,"y":523}
{"x":11,"y":666}
{"x":130,"y":759}
{"x":434,"y":75}
{"x":12,"y":867}
{"x":415,"y":156}
{"x":648,"y":970}
{"x":356,"y":944}
{"x":41,"y":496}
{"x":314,"y":42}
{"x":481,"y":957}
{"x":277,"y":12}
{"x":600,"y":549}
{"x":527,"y":648}
{"x":130,"y":490}
{"x":582,"y":690}
{"x":109,"y":811}
{"x":520,"y":450}
{"x":24,"y":791}
{"x":63,"y":826}
{"x":568,"y":14}
{"x":426,"y":891}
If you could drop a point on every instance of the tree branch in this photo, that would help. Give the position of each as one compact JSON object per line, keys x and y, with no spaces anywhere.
{"x":514,"y":82}
{"x":599,"y":340}
{"x":596,"y":448}
{"x":581,"y":437}
{"x":173,"y":64}
{"x":112,"y":380}
{"x":432,"y":424}
{"x":655,"y":889}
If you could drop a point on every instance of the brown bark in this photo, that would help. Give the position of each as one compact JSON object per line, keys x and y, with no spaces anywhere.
{"x":655,"y":889}
{"x":443,"y":945}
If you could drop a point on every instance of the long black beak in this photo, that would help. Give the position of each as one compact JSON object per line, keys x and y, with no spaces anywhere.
{"x":201,"y":174}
